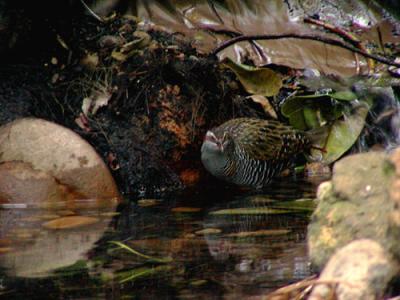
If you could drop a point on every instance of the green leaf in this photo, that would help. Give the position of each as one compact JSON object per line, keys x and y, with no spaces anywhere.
{"x":150,"y":258}
{"x":296,"y":119}
{"x":311,"y":117}
{"x":308,"y":112}
{"x":344,"y":96}
{"x":305,"y":205}
{"x":142,"y":272}
{"x":342,"y":134}
{"x":257,"y":81}
{"x":297,"y":103}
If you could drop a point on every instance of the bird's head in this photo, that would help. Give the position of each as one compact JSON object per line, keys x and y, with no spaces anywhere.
{"x":215,"y":143}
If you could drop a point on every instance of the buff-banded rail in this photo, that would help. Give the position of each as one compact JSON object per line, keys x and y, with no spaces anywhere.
{"x":250,"y":151}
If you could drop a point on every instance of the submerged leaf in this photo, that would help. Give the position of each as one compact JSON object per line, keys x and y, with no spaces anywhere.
{"x":261,"y":232}
{"x":142,"y":272}
{"x":249,"y":211}
{"x":185,"y":209}
{"x":306,"y":205}
{"x":259,"y":81}
{"x":208,"y":231}
{"x":70,"y":222}
{"x":150,"y":258}
{"x":148,"y":202}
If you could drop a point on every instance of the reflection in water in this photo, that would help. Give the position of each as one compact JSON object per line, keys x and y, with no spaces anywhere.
{"x":43,"y":239}
{"x":263,"y":250}
{"x":184,"y":247}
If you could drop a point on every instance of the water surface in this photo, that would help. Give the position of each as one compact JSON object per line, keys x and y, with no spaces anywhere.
{"x":201,"y":244}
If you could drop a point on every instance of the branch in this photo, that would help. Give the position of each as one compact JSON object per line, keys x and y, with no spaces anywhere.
{"x":317,"y":38}
{"x":336,"y":30}
{"x":347,"y":36}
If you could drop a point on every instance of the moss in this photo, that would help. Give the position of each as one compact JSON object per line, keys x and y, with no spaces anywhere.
{"x":389,"y":169}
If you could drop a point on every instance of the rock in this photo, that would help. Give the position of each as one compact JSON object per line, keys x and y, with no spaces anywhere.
{"x":317,"y":168}
{"x":357,"y":203}
{"x":60,"y":152}
{"x":360,"y":270}
{"x":20,"y":183}
{"x":394,"y":191}
{"x":360,"y":176}
{"x":324,"y":190}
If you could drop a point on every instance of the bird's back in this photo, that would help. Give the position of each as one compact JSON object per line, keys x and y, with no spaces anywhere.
{"x":262,"y":149}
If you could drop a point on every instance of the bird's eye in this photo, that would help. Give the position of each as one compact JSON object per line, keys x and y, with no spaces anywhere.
{"x":210,"y":137}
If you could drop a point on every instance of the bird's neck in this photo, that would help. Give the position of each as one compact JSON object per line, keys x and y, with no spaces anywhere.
{"x":215,"y":163}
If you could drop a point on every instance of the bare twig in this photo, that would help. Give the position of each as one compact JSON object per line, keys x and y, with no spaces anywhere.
{"x":91,"y":12}
{"x":232,"y":34}
{"x":347,"y":36}
{"x":214,"y":10}
{"x":339,"y":31}
{"x":317,"y":38}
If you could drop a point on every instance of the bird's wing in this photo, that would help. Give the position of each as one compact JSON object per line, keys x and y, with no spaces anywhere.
{"x":269,"y":139}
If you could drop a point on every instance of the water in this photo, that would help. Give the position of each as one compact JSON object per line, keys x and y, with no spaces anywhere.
{"x":187,"y":246}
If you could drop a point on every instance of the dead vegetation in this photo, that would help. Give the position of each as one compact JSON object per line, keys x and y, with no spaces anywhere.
{"x":143,"y":99}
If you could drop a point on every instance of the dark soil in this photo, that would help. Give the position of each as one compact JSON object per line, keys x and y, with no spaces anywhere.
{"x":163,"y":97}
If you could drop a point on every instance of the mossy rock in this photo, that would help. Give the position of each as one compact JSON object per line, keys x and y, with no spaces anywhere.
{"x":355,"y":204}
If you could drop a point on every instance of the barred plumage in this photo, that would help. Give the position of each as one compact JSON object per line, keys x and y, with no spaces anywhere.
{"x":250,"y":152}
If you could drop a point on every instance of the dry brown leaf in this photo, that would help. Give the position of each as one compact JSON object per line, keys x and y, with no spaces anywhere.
{"x":266,"y":105}
{"x":198,"y":20}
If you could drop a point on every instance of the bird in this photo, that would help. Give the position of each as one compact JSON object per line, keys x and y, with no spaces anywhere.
{"x":250,"y":151}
